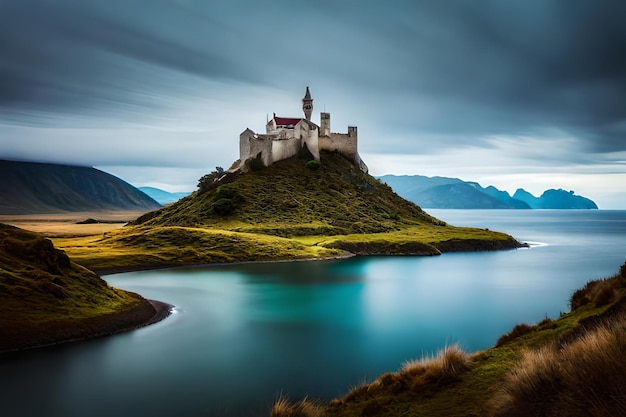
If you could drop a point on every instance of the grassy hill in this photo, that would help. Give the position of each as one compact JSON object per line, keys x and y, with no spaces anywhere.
{"x":284,"y":211}
{"x":36,"y":188}
{"x":572,"y":366}
{"x":46,"y":298}
{"x":289,"y":199}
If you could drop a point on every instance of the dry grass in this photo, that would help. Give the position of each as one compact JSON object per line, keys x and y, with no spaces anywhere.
{"x":586,"y":377}
{"x":518,"y":331}
{"x":283,"y":407}
{"x":449,"y":363}
{"x":599,"y":293}
{"x":418,"y":375}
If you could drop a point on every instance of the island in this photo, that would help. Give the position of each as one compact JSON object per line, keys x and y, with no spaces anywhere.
{"x":298,"y":191}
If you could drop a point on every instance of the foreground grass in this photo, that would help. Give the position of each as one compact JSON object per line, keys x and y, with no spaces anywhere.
{"x":571,"y":366}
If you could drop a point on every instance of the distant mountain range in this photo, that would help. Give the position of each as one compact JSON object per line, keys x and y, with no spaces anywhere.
{"x":453,"y":193}
{"x":39,"y":188}
{"x":162,"y":196}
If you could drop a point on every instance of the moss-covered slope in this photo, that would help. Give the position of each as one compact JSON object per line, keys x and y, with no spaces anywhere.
{"x":46,"y":298}
{"x":285,"y":211}
{"x":289,"y":199}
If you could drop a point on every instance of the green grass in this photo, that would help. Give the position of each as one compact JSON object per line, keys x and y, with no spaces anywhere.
{"x":287,"y":199}
{"x":282,"y":212}
{"x":41,"y":289}
{"x":159,"y":246}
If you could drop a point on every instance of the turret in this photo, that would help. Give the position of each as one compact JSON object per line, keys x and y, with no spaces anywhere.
{"x":307,"y":104}
{"x":325,"y":124}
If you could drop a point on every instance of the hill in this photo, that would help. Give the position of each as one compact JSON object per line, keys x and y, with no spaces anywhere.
{"x":453,"y":193}
{"x":289,"y":210}
{"x":38,"y":188}
{"x":288,"y":199}
{"x":161,"y":196}
{"x":46,"y":298}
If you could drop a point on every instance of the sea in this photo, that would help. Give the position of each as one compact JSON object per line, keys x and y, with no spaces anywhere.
{"x":243,"y":335}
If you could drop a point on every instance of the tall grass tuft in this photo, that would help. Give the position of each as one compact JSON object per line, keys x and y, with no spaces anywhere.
{"x":448,"y":363}
{"x":597,"y":293}
{"x":518,"y":331}
{"x":584,"y":378}
{"x":283,"y":407}
{"x":424,"y":374}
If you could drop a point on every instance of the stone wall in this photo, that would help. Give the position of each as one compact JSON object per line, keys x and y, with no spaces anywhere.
{"x":251,"y":145}
{"x":283,"y":149}
{"x":309,"y":134}
{"x":285,"y":143}
{"x":340,"y":142}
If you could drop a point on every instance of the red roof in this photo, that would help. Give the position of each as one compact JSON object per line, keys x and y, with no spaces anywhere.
{"x":286,"y":121}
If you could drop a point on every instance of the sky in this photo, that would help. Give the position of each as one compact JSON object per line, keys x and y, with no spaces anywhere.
{"x":516,"y":94}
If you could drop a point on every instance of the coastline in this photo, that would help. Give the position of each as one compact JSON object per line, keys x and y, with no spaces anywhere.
{"x":443,"y":248}
{"x":147,"y":312}
{"x":122,"y":269}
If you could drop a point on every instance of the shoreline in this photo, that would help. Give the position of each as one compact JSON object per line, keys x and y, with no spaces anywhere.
{"x":146,"y":313}
{"x":449,"y":247}
{"x":122,"y":269}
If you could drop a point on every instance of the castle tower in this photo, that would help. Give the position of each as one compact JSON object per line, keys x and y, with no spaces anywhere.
{"x":307,"y":104}
{"x":325,"y":124}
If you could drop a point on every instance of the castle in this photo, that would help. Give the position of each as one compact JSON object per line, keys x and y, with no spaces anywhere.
{"x":286,"y":137}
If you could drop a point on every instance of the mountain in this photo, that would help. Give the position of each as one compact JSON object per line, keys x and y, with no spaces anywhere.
{"x":555,"y":199}
{"x":504,"y":197}
{"x":161,"y":196}
{"x":453,"y":193}
{"x":37,"y":188}
{"x":460,"y":195}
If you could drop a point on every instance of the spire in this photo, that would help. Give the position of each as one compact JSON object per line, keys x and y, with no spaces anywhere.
{"x":307,"y":104}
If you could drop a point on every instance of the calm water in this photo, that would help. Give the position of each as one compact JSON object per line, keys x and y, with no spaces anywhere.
{"x":242,"y":335}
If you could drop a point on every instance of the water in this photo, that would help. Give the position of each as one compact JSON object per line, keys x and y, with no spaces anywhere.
{"x":242,"y":335}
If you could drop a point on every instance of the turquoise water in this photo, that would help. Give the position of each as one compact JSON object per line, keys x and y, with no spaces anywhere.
{"x":242,"y":335}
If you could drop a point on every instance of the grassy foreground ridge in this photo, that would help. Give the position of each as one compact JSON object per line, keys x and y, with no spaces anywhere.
{"x":282,"y":212}
{"x":46,"y":298}
{"x":572,"y":366}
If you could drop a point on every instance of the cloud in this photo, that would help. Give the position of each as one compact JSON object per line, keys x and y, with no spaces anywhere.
{"x":174,"y":81}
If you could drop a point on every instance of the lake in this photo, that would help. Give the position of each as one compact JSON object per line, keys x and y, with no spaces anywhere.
{"x":243,"y":334}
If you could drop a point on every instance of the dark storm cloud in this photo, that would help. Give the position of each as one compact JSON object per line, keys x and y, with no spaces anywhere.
{"x":510,"y":67}
{"x":68,"y":55}
{"x":461,"y":69}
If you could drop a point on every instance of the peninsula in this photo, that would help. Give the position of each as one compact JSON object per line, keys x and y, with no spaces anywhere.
{"x":298,"y":191}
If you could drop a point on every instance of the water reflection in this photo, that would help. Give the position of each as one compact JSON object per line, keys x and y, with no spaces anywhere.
{"x":245,"y":333}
